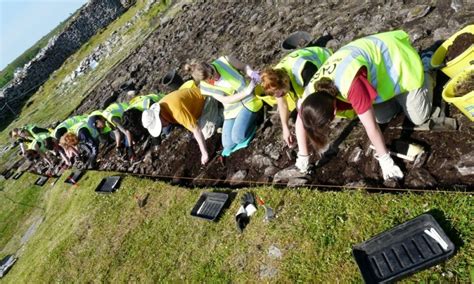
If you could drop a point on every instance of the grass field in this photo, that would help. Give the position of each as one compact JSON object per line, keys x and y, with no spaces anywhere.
{"x":89,"y":237}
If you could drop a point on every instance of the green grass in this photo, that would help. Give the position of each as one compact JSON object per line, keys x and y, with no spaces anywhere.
{"x":89,"y":237}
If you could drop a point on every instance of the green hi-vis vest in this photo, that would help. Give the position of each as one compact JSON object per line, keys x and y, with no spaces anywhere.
{"x":30,"y":128}
{"x":237,"y":83}
{"x":108,"y":126}
{"x":393,"y":65}
{"x":142,"y":103}
{"x":293,"y":65}
{"x":39,"y":140}
{"x":84,"y":125}
{"x":68,"y":123}
{"x":114,"y":110}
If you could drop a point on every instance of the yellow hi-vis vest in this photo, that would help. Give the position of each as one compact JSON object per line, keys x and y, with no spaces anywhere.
{"x":114,"y":110}
{"x":144,"y":102}
{"x":237,"y":83}
{"x":293,"y":65}
{"x":84,"y":125}
{"x":68,"y":123}
{"x":108,"y":126}
{"x":30,"y":128}
{"x":39,"y":140}
{"x":393,"y":66}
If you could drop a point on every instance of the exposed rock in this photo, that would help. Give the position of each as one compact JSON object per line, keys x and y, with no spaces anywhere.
{"x":285,"y":175}
{"x":420,"y":178}
{"x":260,"y":161}
{"x":274,"y":252}
{"x":465,"y":166}
{"x":270,"y":171}
{"x":356,"y":155}
{"x":416,"y":12}
{"x":297,"y":182}
{"x":238,"y":177}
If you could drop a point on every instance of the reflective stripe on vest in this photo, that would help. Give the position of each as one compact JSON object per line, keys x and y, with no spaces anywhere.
{"x":29,"y":128}
{"x":237,"y":83}
{"x":68,"y":123}
{"x":393,"y":65}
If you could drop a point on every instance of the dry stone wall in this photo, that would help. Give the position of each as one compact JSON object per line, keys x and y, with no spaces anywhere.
{"x":95,"y":15}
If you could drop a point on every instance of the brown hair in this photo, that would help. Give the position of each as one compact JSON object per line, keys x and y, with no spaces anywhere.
{"x":199,"y":70}
{"x":69,"y":140}
{"x":317,"y":111}
{"x":15,"y":133}
{"x":274,"y":80}
{"x":31,"y":155}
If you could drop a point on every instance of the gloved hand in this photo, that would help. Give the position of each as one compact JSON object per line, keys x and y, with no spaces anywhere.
{"x":302,"y":163}
{"x":252,"y":74}
{"x":389,"y":169}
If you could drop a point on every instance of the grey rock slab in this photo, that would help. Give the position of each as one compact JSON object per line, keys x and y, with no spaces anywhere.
{"x":297,"y":182}
{"x":274,"y":252}
{"x":465,"y":166}
{"x":286,"y":174}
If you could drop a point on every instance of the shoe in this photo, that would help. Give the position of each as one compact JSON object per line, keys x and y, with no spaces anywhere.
{"x":246,"y":142}
{"x":227,"y":152}
{"x":426,"y":60}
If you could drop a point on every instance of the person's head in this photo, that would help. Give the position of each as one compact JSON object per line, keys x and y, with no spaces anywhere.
{"x":60,"y":132}
{"x":69,"y":140}
{"x":31,"y":155}
{"x":152,"y":121}
{"x":318,"y":110}
{"x":98,"y":121}
{"x":200,"y":71}
{"x":15,"y":133}
{"x":275,"y":82}
{"x":50,"y":143}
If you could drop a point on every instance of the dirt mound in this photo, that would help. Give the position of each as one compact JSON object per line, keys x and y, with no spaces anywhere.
{"x":207,"y":29}
{"x":461,"y":43}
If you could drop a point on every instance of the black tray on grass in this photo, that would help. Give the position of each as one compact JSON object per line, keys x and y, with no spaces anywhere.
{"x":108,"y":184}
{"x":403,"y":250}
{"x":41,"y":180}
{"x":210,"y":205}
{"x":7,"y":174}
{"x":74,"y":177}
{"x":17,"y":175}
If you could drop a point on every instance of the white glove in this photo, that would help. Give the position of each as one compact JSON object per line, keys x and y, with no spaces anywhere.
{"x":302,"y":163}
{"x":389,"y":169}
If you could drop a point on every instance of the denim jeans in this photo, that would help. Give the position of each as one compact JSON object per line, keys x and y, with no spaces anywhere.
{"x":237,"y":130}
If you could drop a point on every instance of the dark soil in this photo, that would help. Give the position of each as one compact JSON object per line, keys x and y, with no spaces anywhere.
{"x":465,"y":86}
{"x":253,"y":32}
{"x":461,"y":43}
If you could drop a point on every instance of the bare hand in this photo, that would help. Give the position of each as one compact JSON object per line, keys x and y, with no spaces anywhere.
{"x":204,"y":158}
{"x":288,"y":138}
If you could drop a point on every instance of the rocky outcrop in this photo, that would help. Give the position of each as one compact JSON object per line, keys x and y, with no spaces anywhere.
{"x":95,"y":15}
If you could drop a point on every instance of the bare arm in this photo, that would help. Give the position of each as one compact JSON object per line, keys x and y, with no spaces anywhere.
{"x":301,"y":137}
{"x":284,"y":116}
{"x":236,"y":97}
{"x":127,"y":133}
{"x":373,"y":131}
{"x":202,"y":144}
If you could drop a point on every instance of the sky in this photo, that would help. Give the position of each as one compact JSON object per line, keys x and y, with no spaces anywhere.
{"x":23,"y":22}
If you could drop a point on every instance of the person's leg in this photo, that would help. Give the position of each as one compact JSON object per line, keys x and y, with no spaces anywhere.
{"x":384,"y":112}
{"x":417,"y":104}
{"x":244,"y":125}
{"x":227,"y":142}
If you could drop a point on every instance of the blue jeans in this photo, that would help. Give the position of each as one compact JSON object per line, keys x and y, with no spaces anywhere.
{"x":237,"y":130}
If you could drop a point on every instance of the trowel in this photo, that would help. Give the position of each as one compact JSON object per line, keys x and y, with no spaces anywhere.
{"x":269,"y":214}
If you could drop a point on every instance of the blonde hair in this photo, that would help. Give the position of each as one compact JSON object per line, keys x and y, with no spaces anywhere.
{"x":15,"y":133}
{"x":199,"y":70}
{"x":274,"y":80}
{"x":69,"y":140}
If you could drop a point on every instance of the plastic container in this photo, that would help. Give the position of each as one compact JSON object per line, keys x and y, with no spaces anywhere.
{"x":210,"y":205}
{"x":296,"y":40}
{"x":403,"y":250}
{"x":17,"y":175}
{"x":172,"y":80}
{"x":458,"y":64}
{"x":465,"y":103}
{"x":108,"y":184}
{"x":41,"y":180}
{"x":6,"y":263}
{"x":74,"y":177}
{"x":7,"y":174}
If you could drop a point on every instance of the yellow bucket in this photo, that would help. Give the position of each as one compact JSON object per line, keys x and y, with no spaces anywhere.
{"x":464,"y":103}
{"x":456,"y":65}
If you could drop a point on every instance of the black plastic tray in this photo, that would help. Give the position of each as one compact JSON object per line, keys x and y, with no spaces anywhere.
{"x":17,"y":175}
{"x":74,"y":177}
{"x":41,"y":180}
{"x":108,"y":184}
{"x":7,"y":174}
{"x":210,"y":205}
{"x":402,"y":251}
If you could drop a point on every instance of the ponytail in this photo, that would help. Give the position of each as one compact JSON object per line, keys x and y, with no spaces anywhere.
{"x":198,"y":70}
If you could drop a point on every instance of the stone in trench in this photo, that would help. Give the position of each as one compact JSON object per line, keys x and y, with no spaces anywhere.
{"x":465,"y":166}
{"x":270,"y":171}
{"x":417,"y":12}
{"x":420,"y":178}
{"x":272,"y":151}
{"x":297,"y":182}
{"x":285,"y":175}
{"x":260,"y":161}
{"x":355,"y":155}
{"x":238,"y":177}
